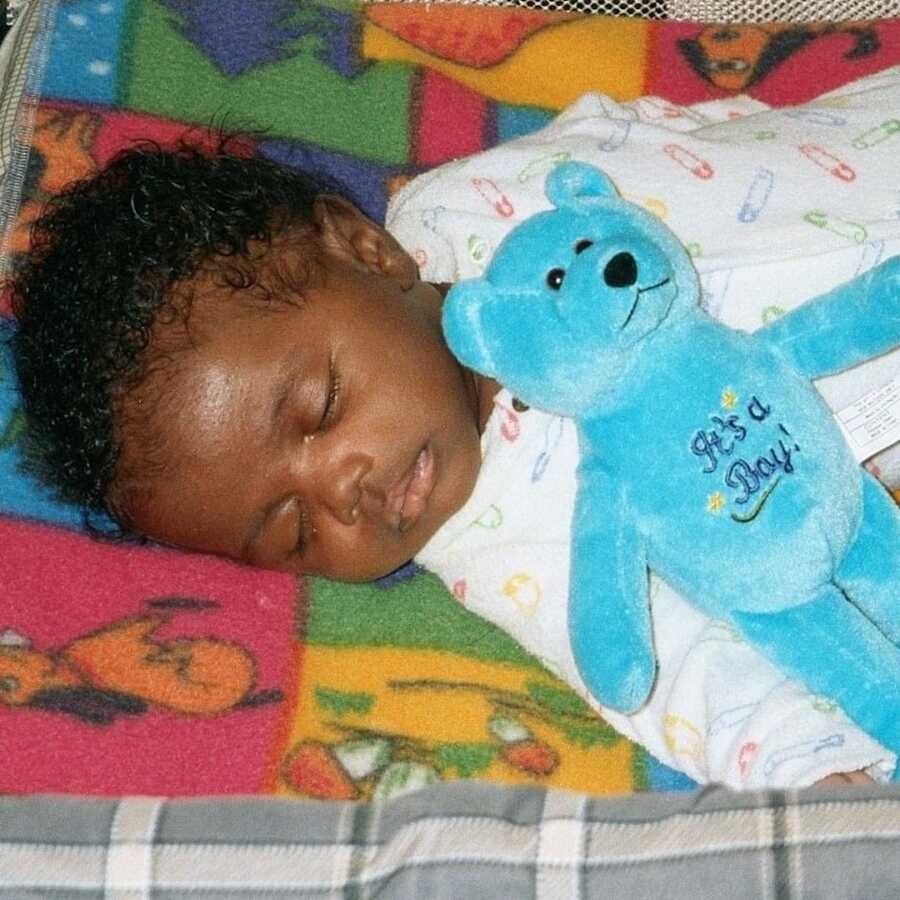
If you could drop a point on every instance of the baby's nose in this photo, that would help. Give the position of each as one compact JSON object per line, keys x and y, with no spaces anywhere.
{"x":341,"y":488}
{"x":621,"y":270}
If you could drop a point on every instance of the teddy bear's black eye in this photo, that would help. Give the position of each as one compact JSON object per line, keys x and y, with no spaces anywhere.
{"x":583,"y":244}
{"x":555,"y":278}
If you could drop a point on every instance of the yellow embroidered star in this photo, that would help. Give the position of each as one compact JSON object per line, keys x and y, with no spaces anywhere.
{"x":715,"y":503}
{"x":729,"y":398}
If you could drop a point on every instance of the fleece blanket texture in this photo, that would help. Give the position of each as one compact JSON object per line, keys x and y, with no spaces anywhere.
{"x":141,"y":670}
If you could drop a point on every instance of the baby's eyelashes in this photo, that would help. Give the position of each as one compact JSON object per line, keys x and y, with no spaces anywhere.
{"x":334,"y":390}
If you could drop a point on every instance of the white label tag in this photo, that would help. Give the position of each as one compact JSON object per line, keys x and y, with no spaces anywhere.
{"x":872,"y":423}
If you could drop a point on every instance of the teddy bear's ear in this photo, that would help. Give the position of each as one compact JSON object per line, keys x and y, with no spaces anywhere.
{"x":572,"y":185}
{"x":463,"y":322}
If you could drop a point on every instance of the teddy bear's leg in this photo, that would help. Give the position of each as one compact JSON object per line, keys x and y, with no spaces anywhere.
{"x":870,"y":571}
{"x":832,"y":648}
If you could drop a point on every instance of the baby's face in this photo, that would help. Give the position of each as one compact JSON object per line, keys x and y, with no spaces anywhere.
{"x":331,"y":437}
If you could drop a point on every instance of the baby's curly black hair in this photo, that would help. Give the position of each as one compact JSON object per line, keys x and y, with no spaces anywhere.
{"x":105,"y":256}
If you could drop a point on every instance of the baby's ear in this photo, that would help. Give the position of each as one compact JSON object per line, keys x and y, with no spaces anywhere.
{"x":351,"y":235}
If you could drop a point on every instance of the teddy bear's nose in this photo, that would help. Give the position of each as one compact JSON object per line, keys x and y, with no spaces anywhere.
{"x":621,"y":271}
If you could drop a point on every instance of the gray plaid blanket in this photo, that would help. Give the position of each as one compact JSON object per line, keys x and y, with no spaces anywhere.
{"x":461,"y":841}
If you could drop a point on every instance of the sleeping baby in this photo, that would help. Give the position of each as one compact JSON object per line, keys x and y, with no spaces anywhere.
{"x":227,"y":356}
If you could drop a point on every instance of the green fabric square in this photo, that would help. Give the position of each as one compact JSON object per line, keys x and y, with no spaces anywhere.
{"x":298,"y":96}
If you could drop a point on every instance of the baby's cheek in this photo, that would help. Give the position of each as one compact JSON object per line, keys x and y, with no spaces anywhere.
{"x":359,"y":553}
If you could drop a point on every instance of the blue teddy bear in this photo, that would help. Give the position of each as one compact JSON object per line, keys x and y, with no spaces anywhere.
{"x":706,"y":453}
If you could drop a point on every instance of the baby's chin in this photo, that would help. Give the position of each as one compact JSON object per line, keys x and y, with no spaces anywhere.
{"x":357,"y":576}
{"x":384,"y":565}
{"x":378,"y":569}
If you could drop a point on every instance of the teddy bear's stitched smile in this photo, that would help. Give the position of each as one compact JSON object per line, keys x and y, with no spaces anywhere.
{"x":637,"y":297}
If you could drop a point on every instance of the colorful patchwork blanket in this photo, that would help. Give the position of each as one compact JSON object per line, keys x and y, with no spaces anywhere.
{"x":141,"y":670}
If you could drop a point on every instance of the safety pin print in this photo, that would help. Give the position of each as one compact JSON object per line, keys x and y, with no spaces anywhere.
{"x":876,"y":135}
{"x":731,"y":718}
{"x":618,"y":136}
{"x":826,"y":160}
{"x":841,"y":102}
{"x":757,"y":195}
{"x":682,"y":737}
{"x":817,"y":117}
{"x":800,"y":751}
{"x":746,"y":757}
{"x":852,"y":231}
{"x":430,"y":217}
{"x":870,"y":255}
{"x":490,"y":518}
{"x":479,"y":249}
{"x":687,"y":159}
{"x":613,"y":110}
{"x":656,"y":205}
{"x":525,"y":592}
{"x":542,"y":165}
{"x":823,"y":704}
{"x":510,"y":428}
{"x":652,"y":109}
{"x":500,"y":203}
{"x":552,"y":437}
{"x":714,"y":290}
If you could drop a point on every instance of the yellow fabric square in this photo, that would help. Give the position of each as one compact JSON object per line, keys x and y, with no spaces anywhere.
{"x":610,"y":54}
{"x":367,"y":718}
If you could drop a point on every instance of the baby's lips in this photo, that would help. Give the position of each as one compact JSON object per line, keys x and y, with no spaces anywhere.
{"x":418,"y":490}
{"x":407,"y":499}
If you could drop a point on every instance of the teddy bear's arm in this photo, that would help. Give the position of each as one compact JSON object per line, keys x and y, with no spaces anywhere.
{"x":848,"y":325}
{"x":609,"y":612}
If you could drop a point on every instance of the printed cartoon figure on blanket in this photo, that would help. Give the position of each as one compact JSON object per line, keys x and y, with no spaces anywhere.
{"x":706,"y":454}
{"x":736,"y":57}
{"x":122,"y":669}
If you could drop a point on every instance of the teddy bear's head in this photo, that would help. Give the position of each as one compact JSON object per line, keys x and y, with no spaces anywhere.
{"x":572,"y":296}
